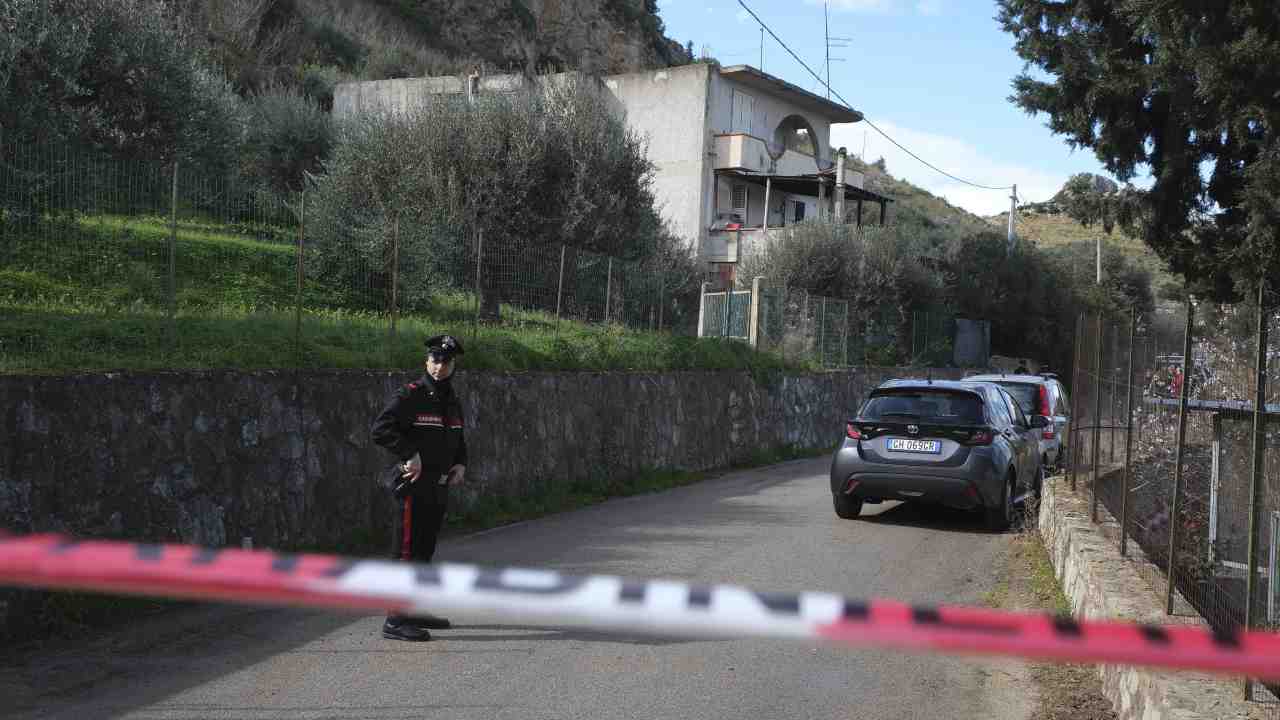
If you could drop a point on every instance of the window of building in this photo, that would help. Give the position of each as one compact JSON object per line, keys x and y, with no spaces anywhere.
{"x":740,"y":200}
{"x":743,"y":108}
{"x":799,"y":211}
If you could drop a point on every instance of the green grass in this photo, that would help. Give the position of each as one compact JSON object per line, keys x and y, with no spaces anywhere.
{"x":90,"y":295}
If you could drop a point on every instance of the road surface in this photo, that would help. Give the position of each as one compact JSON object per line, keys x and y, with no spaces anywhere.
{"x":770,"y":528}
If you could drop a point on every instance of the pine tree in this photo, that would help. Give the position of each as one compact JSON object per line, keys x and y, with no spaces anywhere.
{"x":1186,"y":89}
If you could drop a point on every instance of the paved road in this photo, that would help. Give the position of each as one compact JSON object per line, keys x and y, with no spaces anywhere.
{"x":770,"y":528}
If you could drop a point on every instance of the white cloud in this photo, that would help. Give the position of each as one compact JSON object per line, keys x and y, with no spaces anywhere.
{"x":954,"y":156}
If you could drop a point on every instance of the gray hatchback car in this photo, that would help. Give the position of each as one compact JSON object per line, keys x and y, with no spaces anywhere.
{"x":964,"y":445}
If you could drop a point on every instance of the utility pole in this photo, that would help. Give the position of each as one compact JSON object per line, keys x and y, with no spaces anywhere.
{"x":1013,"y":210}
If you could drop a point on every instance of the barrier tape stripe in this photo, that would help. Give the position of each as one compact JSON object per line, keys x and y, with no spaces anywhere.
{"x":516,"y":596}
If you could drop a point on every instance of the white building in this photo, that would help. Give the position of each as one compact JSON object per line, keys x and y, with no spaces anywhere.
{"x":738,"y":152}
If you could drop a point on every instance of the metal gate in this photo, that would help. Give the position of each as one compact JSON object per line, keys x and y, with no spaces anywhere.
{"x":726,"y":315}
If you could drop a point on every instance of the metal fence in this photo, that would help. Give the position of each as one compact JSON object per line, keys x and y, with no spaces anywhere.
{"x":831,"y":332}
{"x":1165,"y":407}
{"x":109,"y":262}
{"x":179,"y":266}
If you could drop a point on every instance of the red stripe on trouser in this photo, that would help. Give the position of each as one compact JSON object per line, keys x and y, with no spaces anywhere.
{"x":406,"y":542}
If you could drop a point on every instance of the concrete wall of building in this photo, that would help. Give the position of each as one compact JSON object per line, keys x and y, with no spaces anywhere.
{"x":354,"y":98}
{"x":405,"y":94}
{"x":769,"y":112}
{"x":669,"y":108}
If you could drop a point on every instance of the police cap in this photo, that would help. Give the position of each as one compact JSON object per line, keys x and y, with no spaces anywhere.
{"x":443,"y":346}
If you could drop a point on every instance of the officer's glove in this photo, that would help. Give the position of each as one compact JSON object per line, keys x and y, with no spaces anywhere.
{"x":410,"y":469}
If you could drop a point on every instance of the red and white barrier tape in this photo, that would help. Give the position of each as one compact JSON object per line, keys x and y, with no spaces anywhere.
{"x":673,"y":609}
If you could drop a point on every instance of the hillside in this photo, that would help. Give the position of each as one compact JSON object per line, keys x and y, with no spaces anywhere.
{"x":264,"y":42}
{"x":1055,"y":230}
{"x":916,"y":206}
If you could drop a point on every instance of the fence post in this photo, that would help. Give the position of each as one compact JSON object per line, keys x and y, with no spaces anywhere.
{"x":1258,"y":464}
{"x":1115,"y":334}
{"x":608,"y":289}
{"x":1128,"y":437}
{"x":560,"y":286}
{"x":297,"y":317}
{"x":1073,"y":434}
{"x":844,"y":342}
{"x":662,"y":290}
{"x":395,"y":284}
{"x":1181,"y":448}
{"x":702,"y":309}
{"x":475,"y":324}
{"x":1096,"y":435}
{"x":173,"y":256}
{"x":728,"y":307}
{"x":804,"y":318}
{"x":822,"y":334}
{"x":753,"y":330}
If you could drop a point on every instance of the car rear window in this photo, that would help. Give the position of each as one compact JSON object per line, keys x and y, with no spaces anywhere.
{"x":930,"y":406}
{"x":1028,"y":396}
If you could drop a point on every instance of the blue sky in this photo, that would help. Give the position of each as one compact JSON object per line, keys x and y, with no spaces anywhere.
{"x":933,"y":74}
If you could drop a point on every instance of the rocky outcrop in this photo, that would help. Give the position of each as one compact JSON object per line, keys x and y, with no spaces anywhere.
{"x":593,"y":36}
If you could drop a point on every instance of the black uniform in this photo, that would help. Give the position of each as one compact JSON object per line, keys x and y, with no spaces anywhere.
{"x":423,"y":417}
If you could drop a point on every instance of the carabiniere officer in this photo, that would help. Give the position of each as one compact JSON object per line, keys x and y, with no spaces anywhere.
{"x":422,"y":426}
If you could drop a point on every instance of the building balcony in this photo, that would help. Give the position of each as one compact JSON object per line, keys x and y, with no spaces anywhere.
{"x":741,"y":152}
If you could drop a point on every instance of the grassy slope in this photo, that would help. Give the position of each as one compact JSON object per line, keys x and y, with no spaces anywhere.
{"x":1056,"y":231}
{"x":910,"y":201}
{"x":90,"y":295}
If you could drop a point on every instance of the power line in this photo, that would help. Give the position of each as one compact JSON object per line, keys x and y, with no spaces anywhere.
{"x":924,"y":162}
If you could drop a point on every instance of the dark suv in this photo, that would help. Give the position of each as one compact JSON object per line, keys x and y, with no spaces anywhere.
{"x":961,"y":444}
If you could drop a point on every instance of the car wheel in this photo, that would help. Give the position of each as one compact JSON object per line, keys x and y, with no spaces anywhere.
{"x":1000,"y":517}
{"x":847,"y":506}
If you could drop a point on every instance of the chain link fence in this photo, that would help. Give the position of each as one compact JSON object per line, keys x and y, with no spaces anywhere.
{"x":1162,"y":437}
{"x":152,"y":264}
{"x":830,"y":332}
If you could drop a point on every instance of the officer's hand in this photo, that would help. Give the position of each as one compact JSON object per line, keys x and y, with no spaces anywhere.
{"x":457,"y":474}
{"x":410,"y":469}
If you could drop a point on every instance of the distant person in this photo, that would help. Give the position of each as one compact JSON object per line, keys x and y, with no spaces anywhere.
{"x":422,"y":426}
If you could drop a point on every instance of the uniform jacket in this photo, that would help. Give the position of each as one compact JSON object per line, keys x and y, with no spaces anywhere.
{"x":424,"y":417}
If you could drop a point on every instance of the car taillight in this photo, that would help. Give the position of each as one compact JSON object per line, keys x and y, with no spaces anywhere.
{"x":981,"y":437}
{"x":1048,"y":433}
{"x":852,"y":432}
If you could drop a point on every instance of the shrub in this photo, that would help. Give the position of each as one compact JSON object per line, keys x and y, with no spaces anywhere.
{"x":548,"y":166}
{"x":286,"y":134}
{"x":118,"y":74}
{"x":317,"y":82}
{"x":333,"y":47}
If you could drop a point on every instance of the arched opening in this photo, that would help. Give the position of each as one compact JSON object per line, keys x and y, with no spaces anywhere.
{"x":795,"y":133}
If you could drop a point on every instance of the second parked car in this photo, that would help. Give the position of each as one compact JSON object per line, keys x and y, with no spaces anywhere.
{"x":1040,"y":395}
{"x":961,"y":444}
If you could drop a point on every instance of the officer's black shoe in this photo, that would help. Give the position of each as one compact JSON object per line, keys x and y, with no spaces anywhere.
{"x":429,"y":621}
{"x":403,"y":629}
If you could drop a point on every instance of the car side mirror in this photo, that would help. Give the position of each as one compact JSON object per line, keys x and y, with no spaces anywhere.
{"x":1039,"y":421}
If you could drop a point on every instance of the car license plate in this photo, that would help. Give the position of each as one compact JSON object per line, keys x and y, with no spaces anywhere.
{"x":916,"y":446}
